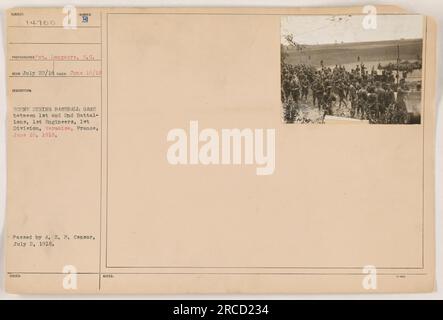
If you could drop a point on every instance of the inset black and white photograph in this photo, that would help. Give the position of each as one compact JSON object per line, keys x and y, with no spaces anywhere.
{"x":337,"y":69}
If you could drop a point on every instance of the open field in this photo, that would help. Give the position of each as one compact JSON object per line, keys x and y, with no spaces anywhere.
{"x":348,"y":53}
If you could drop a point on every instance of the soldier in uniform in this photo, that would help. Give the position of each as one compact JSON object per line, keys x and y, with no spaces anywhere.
{"x":328,"y":100}
{"x":313,"y":88}
{"x":286,"y":87}
{"x":319,"y":91}
{"x":353,"y":99}
{"x":362,"y":96}
{"x":372,"y":105}
{"x":341,"y":94}
{"x":389,"y":95}
{"x":390,"y":104}
{"x":363,"y":68}
{"x":304,"y":89}
{"x":401,"y":110}
{"x":295,"y":89}
{"x":381,"y":104}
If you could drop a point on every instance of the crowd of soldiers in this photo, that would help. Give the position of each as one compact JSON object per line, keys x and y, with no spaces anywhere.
{"x":377,"y":95}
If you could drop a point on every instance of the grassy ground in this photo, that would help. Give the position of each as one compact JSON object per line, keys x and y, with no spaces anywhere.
{"x":307,"y":112}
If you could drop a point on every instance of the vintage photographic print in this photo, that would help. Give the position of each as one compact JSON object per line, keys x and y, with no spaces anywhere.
{"x":333,"y":68}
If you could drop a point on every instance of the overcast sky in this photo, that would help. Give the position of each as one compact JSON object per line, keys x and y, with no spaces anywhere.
{"x":331,"y":29}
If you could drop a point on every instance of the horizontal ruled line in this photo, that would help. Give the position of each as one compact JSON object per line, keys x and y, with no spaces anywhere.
{"x":261,"y":267}
{"x":62,"y":27}
{"x":225,"y":273}
{"x":45,"y":60}
{"x":55,"y":76}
